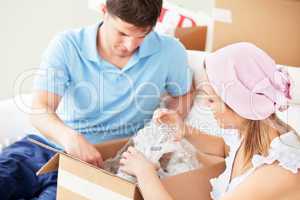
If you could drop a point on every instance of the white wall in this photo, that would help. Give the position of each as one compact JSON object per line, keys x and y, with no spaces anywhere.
{"x":26,"y":28}
{"x":196,"y":5}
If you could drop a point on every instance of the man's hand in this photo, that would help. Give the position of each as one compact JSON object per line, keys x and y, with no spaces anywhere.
{"x":76,"y":145}
{"x":173,"y":119}
{"x":181,"y":104}
{"x":51,"y":126}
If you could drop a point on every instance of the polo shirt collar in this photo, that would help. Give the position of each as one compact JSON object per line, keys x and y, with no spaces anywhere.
{"x":89,"y":43}
{"x":150,"y":45}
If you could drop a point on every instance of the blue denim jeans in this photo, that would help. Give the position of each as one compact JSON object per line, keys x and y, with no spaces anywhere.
{"x":19,"y":163}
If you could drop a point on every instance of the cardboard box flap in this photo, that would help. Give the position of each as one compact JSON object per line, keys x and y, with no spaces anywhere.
{"x":50,"y":166}
{"x":53,"y":163}
{"x":109,"y":149}
{"x":44,"y":145}
{"x":137,"y":194}
{"x":193,"y":185}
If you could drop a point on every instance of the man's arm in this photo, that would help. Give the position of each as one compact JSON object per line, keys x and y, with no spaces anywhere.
{"x":181,"y":104}
{"x":50,"y":125}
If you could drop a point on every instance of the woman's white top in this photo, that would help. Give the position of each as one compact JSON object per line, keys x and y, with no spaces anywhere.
{"x":284,"y":149}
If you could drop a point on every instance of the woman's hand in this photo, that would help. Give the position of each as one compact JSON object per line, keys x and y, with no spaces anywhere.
{"x":134,"y":163}
{"x":173,"y":119}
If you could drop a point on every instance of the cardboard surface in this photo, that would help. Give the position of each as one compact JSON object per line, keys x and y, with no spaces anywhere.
{"x":109,"y":149}
{"x":273,"y":25}
{"x":193,"y":185}
{"x":90,"y":182}
{"x":69,"y":194}
{"x":51,"y":166}
{"x":79,"y":180}
{"x":193,"y":38}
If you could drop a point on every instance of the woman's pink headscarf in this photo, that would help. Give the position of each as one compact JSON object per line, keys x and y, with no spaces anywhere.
{"x":248,"y":80}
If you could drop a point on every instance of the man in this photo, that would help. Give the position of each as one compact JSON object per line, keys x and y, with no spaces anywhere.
{"x":96,"y":84}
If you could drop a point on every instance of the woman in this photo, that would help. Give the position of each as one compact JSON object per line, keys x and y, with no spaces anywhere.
{"x":243,"y":87}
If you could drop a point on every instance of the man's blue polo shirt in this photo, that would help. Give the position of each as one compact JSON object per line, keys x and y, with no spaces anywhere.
{"x":101,"y":101}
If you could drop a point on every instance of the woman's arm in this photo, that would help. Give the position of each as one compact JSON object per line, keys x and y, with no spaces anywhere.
{"x":206,"y":143}
{"x":181,"y":104}
{"x":270,"y":182}
{"x":151,"y":186}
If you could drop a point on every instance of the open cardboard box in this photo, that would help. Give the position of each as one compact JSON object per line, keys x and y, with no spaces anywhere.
{"x":82,"y":181}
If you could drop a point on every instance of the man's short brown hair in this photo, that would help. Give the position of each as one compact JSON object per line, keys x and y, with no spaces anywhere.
{"x":141,"y":13}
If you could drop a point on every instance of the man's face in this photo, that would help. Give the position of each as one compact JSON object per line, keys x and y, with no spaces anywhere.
{"x":122,"y":38}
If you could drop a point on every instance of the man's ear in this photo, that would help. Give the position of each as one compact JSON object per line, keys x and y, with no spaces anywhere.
{"x":102,"y":9}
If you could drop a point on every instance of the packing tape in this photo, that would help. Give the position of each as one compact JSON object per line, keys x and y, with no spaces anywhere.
{"x":222,"y":15}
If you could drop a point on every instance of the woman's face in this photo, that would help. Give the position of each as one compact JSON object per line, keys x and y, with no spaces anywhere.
{"x":225,"y":116}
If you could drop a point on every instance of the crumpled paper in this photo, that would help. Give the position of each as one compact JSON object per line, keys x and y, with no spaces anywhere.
{"x":157,"y":144}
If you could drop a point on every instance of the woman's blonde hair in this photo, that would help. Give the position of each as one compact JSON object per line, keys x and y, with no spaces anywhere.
{"x":257,"y":139}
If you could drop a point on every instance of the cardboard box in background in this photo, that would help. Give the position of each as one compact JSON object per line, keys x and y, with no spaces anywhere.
{"x":193,"y":38}
{"x":78,"y":180}
{"x":273,"y":25}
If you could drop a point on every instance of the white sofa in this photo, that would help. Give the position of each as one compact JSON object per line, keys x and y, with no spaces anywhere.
{"x":15,"y":124}
{"x":14,"y":119}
